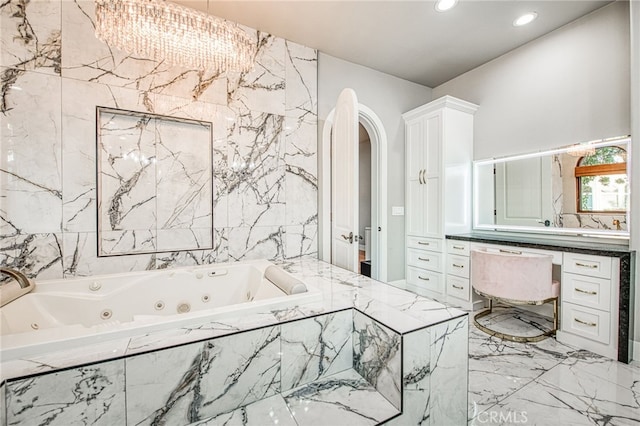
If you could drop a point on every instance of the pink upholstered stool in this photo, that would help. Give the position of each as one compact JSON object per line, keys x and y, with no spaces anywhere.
{"x":515,"y":279}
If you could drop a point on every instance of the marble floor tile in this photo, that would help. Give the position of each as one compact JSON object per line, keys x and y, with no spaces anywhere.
{"x":546,"y":383}
{"x":342,"y":399}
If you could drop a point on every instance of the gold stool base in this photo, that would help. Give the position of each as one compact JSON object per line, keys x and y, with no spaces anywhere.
{"x":512,"y":337}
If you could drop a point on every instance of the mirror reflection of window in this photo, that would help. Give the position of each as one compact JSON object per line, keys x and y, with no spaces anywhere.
{"x":602,"y":181}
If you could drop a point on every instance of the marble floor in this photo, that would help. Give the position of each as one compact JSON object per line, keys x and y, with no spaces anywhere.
{"x":546,"y":383}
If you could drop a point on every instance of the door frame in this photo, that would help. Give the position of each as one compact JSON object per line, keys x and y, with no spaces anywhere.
{"x":378,"y":138}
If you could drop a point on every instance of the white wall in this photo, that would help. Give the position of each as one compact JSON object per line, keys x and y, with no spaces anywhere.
{"x":568,"y":86}
{"x":635,"y":165}
{"x":388,"y":97}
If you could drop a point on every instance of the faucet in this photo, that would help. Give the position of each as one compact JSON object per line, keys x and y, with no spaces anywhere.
{"x":10,"y":291}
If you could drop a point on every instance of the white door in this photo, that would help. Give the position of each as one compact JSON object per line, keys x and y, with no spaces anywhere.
{"x":344,"y":182}
{"x":523,"y":192}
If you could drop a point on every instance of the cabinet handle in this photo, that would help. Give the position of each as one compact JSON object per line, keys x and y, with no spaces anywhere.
{"x":420,"y":177}
{"x":457,"y":287}
{"x":586,"y":292}
{"x":584,"y":265}
{"x":422,"y":243}
{"x":458,"y":247}
{"x":510,"y":251}
{"x":590,"y":324}
{"x":426,"y":259}
{"x":423,"y":278}
{"x":455,"y":265}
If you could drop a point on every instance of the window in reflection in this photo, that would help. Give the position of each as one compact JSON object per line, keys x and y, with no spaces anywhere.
{"x":602,"y":181}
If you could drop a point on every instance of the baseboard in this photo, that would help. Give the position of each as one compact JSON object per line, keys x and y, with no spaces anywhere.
{"x":398,"y":283}
{"x":635,"y":350}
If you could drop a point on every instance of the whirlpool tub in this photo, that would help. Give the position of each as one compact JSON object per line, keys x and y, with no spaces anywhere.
{"x":61,"y":314}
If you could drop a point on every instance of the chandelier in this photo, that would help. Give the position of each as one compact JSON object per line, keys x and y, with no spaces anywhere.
{"x":165,"y":31}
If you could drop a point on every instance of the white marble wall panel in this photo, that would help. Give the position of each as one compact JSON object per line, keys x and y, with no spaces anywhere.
{"x":263,"y":87}
{"x":84,"y":57}
{"x":301,"y":240}
{"x":316,"y":347}
{"x":256,"y":170}
{"x":198,"y":381}
{"x":37,"y":255}
{"x":269,"y":411}
{"x":30,"y":167}
{"x":30,"y":37}
{"x":377,"y":356}
{"x":301,"y":95}
{"x":449,"y":356}
{"x":258,"y":242}
{"x":80,"y":396}
{"x":594,"y":221}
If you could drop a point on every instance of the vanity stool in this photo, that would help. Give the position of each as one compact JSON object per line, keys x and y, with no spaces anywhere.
{"x":514,"y":279}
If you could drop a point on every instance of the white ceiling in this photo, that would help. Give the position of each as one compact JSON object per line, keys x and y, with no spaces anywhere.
{"x":407,"y":39}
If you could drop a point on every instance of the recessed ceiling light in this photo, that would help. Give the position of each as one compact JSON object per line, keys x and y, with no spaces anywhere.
{"x":525,"y":19}
{"x":444,"y":5}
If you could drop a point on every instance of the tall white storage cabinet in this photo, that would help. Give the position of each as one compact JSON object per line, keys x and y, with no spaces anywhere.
{"x":439,"y":152}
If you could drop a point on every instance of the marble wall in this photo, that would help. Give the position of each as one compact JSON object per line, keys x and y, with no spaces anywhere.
{"x":54,"y":74}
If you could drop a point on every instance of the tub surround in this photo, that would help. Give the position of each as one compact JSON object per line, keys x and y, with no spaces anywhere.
{"x":624,"y":277}
{"x":363,"y":341}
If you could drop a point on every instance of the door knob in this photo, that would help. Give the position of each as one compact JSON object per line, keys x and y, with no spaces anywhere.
{"x":348,"y":238}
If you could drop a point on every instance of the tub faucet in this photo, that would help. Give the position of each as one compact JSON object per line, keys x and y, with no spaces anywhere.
{"x":9,"y":291}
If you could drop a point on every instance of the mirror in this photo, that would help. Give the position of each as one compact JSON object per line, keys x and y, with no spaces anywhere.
{"x":154,"y":183}
{"x":579,"y":189}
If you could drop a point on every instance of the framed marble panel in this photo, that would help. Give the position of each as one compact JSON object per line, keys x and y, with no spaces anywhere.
{"x":154,"y":183}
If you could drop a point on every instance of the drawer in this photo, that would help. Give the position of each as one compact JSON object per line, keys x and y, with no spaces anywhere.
{"x":460,"y":248}
{"x":557,"y":255}
{"x":458,"y":266}
{"x":428,"y":280}
{"x":458,"y":287}
{"x":424,"y":243}
{"x":425,"y":259}
{"x":587,"y":291}
{"x":586,"y":322}
{"x":594,"y":266}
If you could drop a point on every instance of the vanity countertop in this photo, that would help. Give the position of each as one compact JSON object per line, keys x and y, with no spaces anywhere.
{"x":598,"y":248}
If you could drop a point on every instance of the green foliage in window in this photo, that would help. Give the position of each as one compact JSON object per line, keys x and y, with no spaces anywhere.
{"x":605,"y":155}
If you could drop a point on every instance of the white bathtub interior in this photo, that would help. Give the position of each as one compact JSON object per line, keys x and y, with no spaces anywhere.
{"x":64,"y":313}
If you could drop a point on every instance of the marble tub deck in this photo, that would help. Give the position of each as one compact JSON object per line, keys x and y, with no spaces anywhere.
{"x":400,"y":346}
{"x":546,"y":383}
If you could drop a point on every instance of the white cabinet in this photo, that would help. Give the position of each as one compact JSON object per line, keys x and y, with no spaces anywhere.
{"x":439,"y":150}
{"x":589,"y":310}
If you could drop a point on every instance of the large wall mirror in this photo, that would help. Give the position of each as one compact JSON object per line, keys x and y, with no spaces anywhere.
{"x":579,"y":189}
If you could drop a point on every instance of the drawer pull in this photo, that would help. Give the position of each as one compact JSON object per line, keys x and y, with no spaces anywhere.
{"x":455,"y":265}
{"x":458,"y":247}
{"x":457,"y":287}
{"x":510,"y":251}
{"x":426,"y":259}
{"x":590,"y":324}
{"x":422,"y":243}
{"x":423,"y":278}
{"x":586,"y":291}
{"x":584,"y":265}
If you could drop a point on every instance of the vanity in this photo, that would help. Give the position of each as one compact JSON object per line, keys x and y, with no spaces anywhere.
{"x":595,"y":281}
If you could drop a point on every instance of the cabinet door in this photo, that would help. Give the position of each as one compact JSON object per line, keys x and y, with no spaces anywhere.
{"x":414,"y":148}
{"x":414,"y":214}
{"x":431,"y":208}
{"x":432,"y":155}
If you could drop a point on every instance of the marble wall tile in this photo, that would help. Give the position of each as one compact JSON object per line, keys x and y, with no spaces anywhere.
{"x":30,"y":167}
{"x":198,"y":381}
{"x":269,"y":411}
{"x":449,"y":355}
{"x":301,"y":93}
{"x":37,"y":255}
{"x":301,"y":240}
{"x":262,"y":88}
{"x":259,"y":242}
{"x":84,"y":57}
{"x":81,"y":257}
{"x":256,"y":170}
{"x":80,"y":396}
{"x":31,"y":36}
{"x":316,"y":347}
{"x":377,"y":356}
